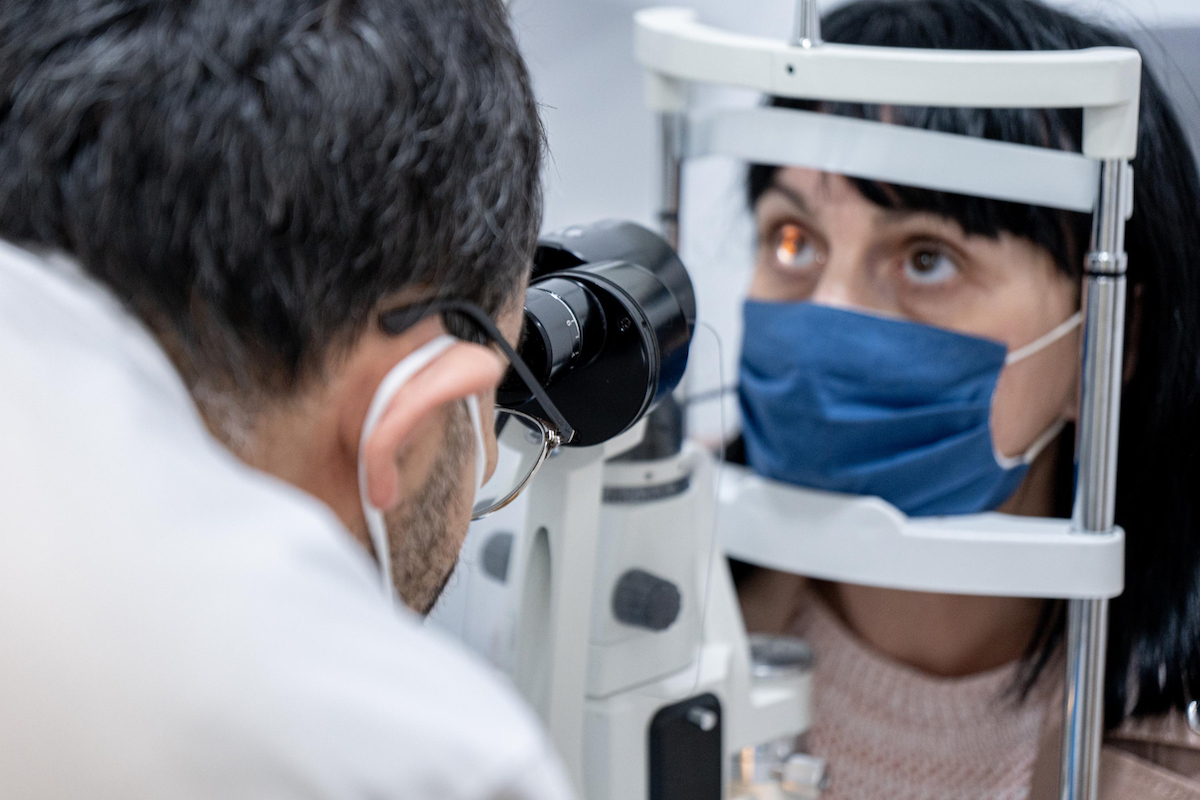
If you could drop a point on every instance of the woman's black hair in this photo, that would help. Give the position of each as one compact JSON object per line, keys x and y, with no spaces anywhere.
{"x":1154,"y":636}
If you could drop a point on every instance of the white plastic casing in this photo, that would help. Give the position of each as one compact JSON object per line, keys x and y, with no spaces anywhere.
{"x":1105,"y":82}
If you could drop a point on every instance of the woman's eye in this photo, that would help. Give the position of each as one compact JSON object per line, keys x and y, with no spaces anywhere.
{"x":929,"y":266}
{"x":793,"y":250}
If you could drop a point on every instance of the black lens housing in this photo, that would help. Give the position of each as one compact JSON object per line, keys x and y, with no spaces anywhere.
{"x":609,"y":317}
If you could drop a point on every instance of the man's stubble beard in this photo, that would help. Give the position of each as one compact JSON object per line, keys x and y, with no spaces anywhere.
{"x":425,"y":550}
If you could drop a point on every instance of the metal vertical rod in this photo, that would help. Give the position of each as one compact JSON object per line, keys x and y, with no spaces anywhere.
{"x":671,"y":132}
{"x":806,"y":27}
{"x":1095,"y":494}
{"x":667,"y":423}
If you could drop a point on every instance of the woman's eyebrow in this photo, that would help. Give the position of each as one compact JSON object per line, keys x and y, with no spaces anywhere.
{"x":935,"y":223}
{"x":796,"y":198}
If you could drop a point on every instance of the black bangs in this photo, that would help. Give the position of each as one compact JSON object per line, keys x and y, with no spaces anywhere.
{"x":967,"y":25}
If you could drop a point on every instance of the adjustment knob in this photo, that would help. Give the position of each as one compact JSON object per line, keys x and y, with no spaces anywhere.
{"x":646,"y":601}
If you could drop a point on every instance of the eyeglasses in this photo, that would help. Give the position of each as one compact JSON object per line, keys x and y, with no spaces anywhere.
{"x":524,"y":441}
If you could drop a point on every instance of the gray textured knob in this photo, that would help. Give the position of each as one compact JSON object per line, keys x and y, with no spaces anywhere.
{"x":646,"y":601}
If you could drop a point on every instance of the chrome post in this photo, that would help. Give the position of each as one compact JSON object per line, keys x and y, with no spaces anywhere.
{"x":806,"y":28}
{"x":669,"y":416}
{"x":1095,"y":494}
{"x":671,"y":132}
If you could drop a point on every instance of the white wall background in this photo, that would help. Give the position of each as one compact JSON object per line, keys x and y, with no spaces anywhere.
{"x":602,"y":141}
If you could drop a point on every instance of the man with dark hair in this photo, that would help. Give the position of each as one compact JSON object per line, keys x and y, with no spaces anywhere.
{"x":209,"y":212}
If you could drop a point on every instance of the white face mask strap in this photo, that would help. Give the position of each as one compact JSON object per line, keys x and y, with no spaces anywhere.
{"x":400,"y":374}
{"x":1034,"y":450}
{"x":1044,"y":341}
{"x":1051,"y":433}
{"x":480,"y":451}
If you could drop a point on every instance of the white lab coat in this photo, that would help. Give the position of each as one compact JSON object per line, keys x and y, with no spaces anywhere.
{"x":174,"y":624}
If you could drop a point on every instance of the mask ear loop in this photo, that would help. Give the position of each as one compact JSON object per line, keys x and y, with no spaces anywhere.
{"x":1035,"y":449}
{"x":1050,"y":434}
{"x":1045,"y":340}
{"x":480,"y":448}
{"x":391,"y":384}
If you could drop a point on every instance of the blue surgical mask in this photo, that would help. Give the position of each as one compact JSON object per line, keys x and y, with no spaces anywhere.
{"x":850,"y":402}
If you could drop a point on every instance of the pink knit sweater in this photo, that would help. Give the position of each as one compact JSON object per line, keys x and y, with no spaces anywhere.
{"x":889,"y":732}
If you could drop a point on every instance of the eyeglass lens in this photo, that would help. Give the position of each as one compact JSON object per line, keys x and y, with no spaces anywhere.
{"x":522,"y":443}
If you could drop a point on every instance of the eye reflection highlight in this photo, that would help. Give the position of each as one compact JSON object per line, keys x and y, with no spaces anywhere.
{"x":793,"y":249}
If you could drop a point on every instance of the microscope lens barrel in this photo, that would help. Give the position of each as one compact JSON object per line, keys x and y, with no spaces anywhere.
{"x":564,"y":327}
{"x":609,"y":317}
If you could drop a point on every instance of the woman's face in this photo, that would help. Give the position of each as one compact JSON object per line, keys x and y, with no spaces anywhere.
{"x":822,"y":241}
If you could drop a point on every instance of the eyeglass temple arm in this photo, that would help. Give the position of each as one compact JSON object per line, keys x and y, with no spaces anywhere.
{"x":480,"y":318}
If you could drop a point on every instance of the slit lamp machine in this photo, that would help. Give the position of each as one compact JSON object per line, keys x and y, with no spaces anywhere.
{"x":604,"y":591}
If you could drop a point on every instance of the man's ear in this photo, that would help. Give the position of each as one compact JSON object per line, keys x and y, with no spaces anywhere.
{"x":462,"y":370}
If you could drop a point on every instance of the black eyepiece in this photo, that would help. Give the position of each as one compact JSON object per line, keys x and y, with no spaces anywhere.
{"x":609,"y":318}
{"x":564,"y":329}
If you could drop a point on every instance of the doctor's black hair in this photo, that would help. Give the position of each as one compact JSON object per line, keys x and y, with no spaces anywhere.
{"x":253,"y":178}
{"x":1153,"y":663}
